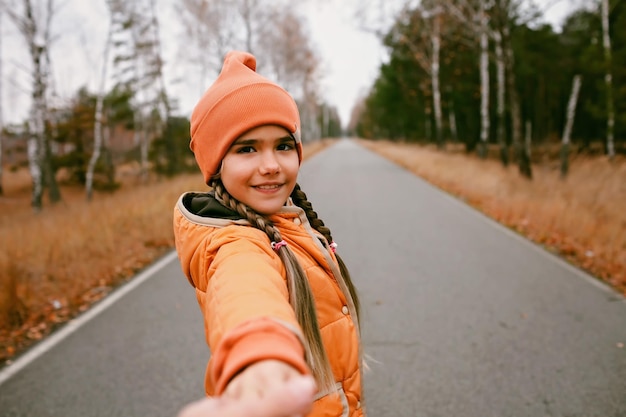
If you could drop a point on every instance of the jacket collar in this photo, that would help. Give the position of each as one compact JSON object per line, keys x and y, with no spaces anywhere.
{"x":206,"y":205}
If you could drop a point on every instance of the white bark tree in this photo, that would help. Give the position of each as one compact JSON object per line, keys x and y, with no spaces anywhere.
{"x":435,"y":38}
{"x":500,"y":99}
{"x":522,"y":152}
{"x":33,"y":19}
{"x":506,"y":13}
{"x":161,"y":106}
{"x":608,"y":80}
{"x":99,"y":115}
{"x":139,"y":67}
{"x":477,"y":21}
{"x":484,"y":79}
{"x":425,"y":48}
{"x":480,"y":23}
{"x":569,"y":124}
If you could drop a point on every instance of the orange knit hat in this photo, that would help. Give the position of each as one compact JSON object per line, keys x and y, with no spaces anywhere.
{"x":239,"y":100}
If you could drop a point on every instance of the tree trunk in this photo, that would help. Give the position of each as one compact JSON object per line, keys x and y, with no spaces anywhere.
{"x":35,"y":28}
{"x":484,"y":81}
{"x":35,"y":172}
{"x":608,"y":81}
{"x":528,"y":137}
{"x":569,"y":123}
{"x":500,"y":97}
{"x":436,"y":43}
{"x":523,"y":158}
{"x":452,"y":121}
{"x":428,"y":127}
{"x":145,"y":166}
{"x":49,"y":177}
{"x":162,"y":102}
{"x":44,"y":155}
{"x":97,"y":128}
{"x":37,"y":147}
{"x":109,"y":166}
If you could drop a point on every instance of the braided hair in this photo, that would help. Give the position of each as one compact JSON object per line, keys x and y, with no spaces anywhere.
{"x":299,"y":198}
{"x":300,"y":294}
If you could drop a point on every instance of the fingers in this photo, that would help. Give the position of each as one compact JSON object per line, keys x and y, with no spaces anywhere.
{"x":258,"y":379}
{"x":289,"y":399}
{"x":294,"y":399}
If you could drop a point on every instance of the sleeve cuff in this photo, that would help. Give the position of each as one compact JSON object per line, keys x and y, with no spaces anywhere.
{"x":252,"y":342}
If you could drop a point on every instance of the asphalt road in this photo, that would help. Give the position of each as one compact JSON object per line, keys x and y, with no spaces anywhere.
{"x":461,"y":317}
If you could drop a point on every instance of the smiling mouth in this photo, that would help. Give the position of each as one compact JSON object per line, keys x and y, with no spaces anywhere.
{"x":268,"y":187}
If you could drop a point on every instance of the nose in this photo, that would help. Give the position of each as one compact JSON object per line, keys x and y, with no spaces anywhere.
{"x":269,"y":163}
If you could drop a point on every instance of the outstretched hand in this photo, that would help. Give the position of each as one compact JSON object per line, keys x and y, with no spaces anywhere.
{"x":284,"y":397}
{"x":256,"y":380}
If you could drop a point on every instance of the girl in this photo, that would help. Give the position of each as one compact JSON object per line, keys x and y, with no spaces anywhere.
{"x":277,"y":300}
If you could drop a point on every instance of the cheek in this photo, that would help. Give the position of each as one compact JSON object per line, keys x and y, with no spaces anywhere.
{"x":232,"y":172}
{"x":292,"y":164}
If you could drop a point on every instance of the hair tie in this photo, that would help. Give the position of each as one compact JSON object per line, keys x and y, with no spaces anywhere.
{"x":333,"y":247}
{"x":278,"y":245}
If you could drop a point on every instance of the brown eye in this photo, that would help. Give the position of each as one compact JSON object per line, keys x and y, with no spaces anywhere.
{"x":245,"y":149}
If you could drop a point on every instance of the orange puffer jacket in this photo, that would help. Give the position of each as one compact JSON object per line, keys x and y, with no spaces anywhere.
{"x":241,"y":287}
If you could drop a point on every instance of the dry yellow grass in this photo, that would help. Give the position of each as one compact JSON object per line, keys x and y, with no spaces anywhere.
{"x":58,"y":262}
{"x":581,"y":217}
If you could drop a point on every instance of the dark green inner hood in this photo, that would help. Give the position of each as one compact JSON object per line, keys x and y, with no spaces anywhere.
{"x":206,"y":205}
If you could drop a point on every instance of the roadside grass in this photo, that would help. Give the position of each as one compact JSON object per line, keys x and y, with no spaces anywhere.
{"x":581,"y":217}
{"x":55,"y":264}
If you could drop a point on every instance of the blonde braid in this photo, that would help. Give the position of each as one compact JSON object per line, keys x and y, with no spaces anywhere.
{"x":300,"y":294}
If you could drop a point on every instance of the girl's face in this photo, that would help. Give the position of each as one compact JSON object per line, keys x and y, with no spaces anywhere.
{"x":261,"y":168}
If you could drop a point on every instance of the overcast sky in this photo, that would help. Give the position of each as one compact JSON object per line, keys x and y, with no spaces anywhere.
{"x":350,"y":57}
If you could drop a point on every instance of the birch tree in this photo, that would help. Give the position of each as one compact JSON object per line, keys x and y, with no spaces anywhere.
{"x":484,"y":79}
{"x":521,"y":151}
{"x":500,"y":99}
{"x":99,"y":114}
{"x":480,"y":22}
{"x":140,"y":69}
{"x":422,"y":28}
{"x":435,"y":38}
{"x":569,"y":124}
{"x":506,"y":11}
{"x":477,"y":21}
{"x":33,"y":19}
{"x":161,"y":104}
{"x":477,"y":18}
{"x":608,"y":80}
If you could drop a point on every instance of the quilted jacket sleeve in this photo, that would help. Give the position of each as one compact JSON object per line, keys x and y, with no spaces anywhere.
{"x":246,"y":308}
